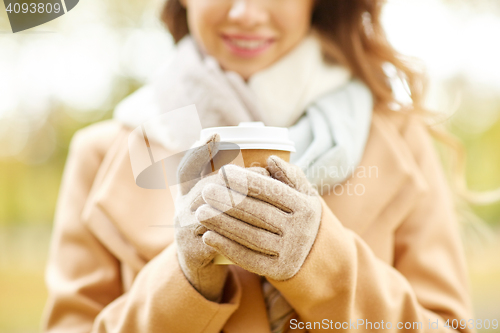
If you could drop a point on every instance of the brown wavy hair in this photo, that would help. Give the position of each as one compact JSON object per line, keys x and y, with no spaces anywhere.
{"x":351,"y":35}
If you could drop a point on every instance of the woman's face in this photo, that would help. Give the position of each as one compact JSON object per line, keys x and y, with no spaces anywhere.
{"x":247,"y":36}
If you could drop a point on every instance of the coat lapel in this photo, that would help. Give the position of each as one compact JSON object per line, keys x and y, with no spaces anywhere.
{"x":386,"y":185}
{"x":134,"y":223}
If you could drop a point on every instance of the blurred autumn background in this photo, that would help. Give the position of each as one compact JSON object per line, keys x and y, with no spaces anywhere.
{"x":71,"y":72}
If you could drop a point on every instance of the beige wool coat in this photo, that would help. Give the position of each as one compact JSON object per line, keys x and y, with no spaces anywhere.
{"x":388,"y":248}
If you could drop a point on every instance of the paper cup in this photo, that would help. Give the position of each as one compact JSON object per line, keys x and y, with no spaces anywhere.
{"x":256,"y":143}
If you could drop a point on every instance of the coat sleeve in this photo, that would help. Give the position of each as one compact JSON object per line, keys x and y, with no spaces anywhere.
{"x":84,"y":279}
{"x":342,"y":282}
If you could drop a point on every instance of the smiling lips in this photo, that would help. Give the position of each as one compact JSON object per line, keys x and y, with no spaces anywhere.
{"x":247,"y":46}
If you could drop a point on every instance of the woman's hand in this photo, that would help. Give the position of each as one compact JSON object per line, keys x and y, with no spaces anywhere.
{"x":271,"y":230}
{"x":195,"y":257}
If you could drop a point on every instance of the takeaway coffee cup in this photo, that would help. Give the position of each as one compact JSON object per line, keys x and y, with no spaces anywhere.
{"x":249,"y":145}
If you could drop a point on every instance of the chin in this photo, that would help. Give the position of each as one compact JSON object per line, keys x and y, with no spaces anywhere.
{"x":244,"y":70}
{"x":244,"y":66}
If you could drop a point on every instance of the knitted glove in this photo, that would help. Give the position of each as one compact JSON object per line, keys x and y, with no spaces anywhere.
{"x":270,"y":231}
{"x":195,"y":257}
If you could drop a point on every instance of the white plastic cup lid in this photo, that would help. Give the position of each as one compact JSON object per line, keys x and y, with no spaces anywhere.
{"x":251,"y":135}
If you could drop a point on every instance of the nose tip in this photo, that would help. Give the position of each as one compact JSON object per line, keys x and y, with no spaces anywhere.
{"x":238,"y":9}
{"x":247,"y":12}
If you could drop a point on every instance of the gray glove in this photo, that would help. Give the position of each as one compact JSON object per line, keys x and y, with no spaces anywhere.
{"x":195,"y":257}
{"x":269,"y":232}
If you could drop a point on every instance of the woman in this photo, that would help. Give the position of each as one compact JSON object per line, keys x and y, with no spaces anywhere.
{"x":383,"y":253}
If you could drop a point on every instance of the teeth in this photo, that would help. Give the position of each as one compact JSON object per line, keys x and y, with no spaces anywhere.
{"x":248,"y":44}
